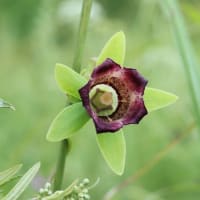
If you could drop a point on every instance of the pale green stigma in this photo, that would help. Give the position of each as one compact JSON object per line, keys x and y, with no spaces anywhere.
{"x":103,"y":99}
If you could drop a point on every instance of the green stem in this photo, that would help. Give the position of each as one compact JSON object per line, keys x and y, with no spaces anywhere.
{"x":85,"y":14}
{"x":187,"y":53}
{"x":64,"y":149}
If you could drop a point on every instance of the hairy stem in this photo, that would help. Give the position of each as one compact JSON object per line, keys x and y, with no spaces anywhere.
{"x":64,"y":149}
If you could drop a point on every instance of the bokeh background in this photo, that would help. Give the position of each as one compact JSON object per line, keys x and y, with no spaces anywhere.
{"x":35,"y":34}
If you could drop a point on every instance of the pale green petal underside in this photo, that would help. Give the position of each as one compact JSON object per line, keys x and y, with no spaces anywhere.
{"x":155,"y":99}
{"x":113,"y":149}
{"x":67,"y":122}
{"x":115,"y":49}
{"x":68,"y":80}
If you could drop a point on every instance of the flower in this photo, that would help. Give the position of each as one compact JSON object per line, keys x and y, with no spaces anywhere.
{"x":113,"y":96}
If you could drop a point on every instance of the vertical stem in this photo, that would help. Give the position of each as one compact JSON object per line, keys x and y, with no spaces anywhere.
{"x":64,"y":149}
{"x":188,"y":56}
{"x":85,"y":15}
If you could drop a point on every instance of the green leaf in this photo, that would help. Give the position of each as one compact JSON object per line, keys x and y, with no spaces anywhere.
{"x":5,"y":188}
{"x":115,"y":49}
{"x":19,"y":188}
{"x":113,"y":149}
{"x":8,"y":174}
{"x":67,"y":122}
{"x":4,"y":104}
{"x":68,"y":80}
{"x":155,"y":99}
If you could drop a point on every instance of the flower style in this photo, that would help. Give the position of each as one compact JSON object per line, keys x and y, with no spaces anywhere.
{"x":114,"y":96}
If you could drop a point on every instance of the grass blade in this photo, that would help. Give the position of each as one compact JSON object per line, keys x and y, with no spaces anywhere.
{"x":186,"y":52}
{"x":19,"y":188}
{"x":8,"y":174}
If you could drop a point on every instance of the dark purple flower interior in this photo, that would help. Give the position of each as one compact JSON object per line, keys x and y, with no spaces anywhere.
{"x":129,"y":86}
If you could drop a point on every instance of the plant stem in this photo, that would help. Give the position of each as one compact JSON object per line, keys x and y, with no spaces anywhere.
{"x":85,"y":15}
{"x":186,"y":51}
{"x":64,"y":149}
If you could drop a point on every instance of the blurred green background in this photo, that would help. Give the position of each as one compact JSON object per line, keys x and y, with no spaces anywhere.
{"x":35,"y":34}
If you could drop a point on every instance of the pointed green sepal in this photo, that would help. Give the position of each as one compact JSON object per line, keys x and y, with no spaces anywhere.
{"x":113,"y":149}
{"x":115,"y":49}
{"x":68,"y":80}
{"x":67,"y":122}
{"x":155,"y":99}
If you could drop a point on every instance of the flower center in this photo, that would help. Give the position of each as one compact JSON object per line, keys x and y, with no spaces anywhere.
{"x":103,"y":99}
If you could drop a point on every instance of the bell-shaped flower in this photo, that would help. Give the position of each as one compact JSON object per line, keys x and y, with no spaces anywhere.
{"x":113,"y":96}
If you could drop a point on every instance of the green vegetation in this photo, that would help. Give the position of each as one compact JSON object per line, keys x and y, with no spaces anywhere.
{"x":37,"y":34}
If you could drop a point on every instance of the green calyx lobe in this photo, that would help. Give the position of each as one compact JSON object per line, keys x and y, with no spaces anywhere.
{"x":103,"y":99}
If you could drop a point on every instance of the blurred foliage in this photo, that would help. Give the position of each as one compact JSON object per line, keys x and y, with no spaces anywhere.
{"x":34,"y":35}
{"x":117,"y":9}
{"x":8,"y":177}
{"x":20,"y":14}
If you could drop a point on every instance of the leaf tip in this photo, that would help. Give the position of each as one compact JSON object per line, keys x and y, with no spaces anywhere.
{"x":119,"y":171}
{"x":58,"y":67}
{"x":176,"y":98}
{"x":12,"y":108}
{"x":120,"y":36}
{"x":120,"y":33}
{"x":156,"y":99}
{"x":37,"y":165}
{"x":49,"y":138}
